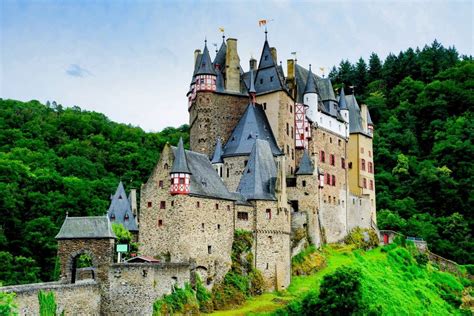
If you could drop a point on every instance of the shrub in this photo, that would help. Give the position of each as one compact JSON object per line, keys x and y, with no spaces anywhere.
{"x":7,"y":304}
{"x":181,"y":300}
{"x":307,"y":262}
{"x":421,"y":258}
{"x":362,"y":238}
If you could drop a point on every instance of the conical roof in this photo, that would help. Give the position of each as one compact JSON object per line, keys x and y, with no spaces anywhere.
{"x":269,"y":76}
{"x":342,"y":100}
{"x":310,"y":83}
{"x":221,"y":54}
{"x":120,"y":210}
{"x":205,"y":64}
{"x":180,"y":164}
{"x":306,"y":165}
{"x":217,"y":157}
{"x":355,"y":120}
{"x":259,"y":177}
{"x":253,"y":125}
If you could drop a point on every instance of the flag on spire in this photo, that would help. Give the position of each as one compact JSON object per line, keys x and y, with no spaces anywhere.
{"x":221,"y":29}
{"x":262,"y":22}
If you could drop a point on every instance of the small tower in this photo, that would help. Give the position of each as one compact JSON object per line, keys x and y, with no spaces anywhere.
{"x":310,"y":97}
{"x":216,"y":160}
{"x":180,"y":174}
{"x":252,"y":91}
{"x":206,"y":75}
{"x":370,"y":124}
{"x":344,"y":110}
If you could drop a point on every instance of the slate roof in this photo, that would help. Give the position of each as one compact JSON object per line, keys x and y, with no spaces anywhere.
{"x":120,"y":210}
{"x":253,"y":125}
{"x":221,"y":55}
{"x":306,"y":165}
{"x":270,"y":76}
{"x":205,"y":64}
{"x":180,"y":164}
{"x":323,"y":85}
{"x":259,"y":177}
{"x":217,"y":157}
{"x":355,"y":119}
{"x":91,"y":227}
{"x":310,"y":83}
{"x":369,"y":119}
{"x":204,"y":179}
{"x":342,"y":100}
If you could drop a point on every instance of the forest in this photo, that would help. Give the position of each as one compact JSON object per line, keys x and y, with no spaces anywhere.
{"x":56,"y":159}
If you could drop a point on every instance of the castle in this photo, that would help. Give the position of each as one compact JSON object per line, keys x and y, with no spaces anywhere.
{"x":279,"y":155}
{"x":270,"y":154}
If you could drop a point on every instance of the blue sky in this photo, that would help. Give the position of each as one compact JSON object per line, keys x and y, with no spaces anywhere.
{"x":133,"y":60}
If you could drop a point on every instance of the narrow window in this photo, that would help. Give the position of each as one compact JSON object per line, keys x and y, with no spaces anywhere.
{"x":371,"y":183}
{"x":172,"y":203}
{"x":365,"y":183}
{"x":332,"y":160}
{"x":362,"y":150}
{"x":217,"y":206}
{"x":304,"y":183}
{"x":264,"y":105}
{"x":261,"y":81}
{"x":181,"y":180}
{"x":343,"y":163}
{"x":202,"y":226}
{"x":268,"y":214}
{"x":165,"y":166}
{"x":149,"y":204}
{"x":245,"y":163}
{"x":330,"y":138}
{"x":218,"y":226}
{"x":267,"y":266}
{"x":228,"y":207}
{"x":198,"y":204}
{"x":271,"y":78}
{"x":160,"y":184}
{"x":322,"y":156}
{"x":287,"y":129}
{"x":160,"y":222}
{"x":339,"y":142}
{"x":362,"y":164}
{"x":333,"y":180}
{"x":227,"y":171}
{"x":209,"y":249}
{"x":162,"y":205}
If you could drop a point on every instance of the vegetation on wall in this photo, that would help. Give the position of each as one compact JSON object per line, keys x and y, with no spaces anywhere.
{"x":421,"y":102}
{"x":55,"y":160}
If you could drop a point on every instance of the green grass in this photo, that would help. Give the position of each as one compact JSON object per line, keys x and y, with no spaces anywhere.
{"x":392,"y":284}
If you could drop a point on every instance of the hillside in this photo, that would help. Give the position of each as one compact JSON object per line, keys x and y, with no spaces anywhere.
{"x":390,"y":282}
{"x":55,"y":160}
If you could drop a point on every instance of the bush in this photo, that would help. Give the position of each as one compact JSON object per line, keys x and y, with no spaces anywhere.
{"x":307,"y":262}
{"x":7,"y":304}
{"x":421,"y":258}
{"x":181,"y":300}
{"x":362,"y":238}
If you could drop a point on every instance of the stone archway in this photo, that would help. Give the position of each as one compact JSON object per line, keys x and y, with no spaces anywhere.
{"x":72,"y":263}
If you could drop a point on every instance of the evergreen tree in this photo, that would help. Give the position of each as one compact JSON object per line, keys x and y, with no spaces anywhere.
{"x":375,"y":68}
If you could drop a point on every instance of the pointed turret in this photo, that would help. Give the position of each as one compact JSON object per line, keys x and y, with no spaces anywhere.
{"x":216,"y":160}
{"x":343,"y":108}
{"x":206,"y":74}
{"x":310,"y":97}
{"x":306,"y":165}
{"x":120,"y":210}
{"x":269,"y":75}
{"x":370,"y":124}
{"x":259,"y":177}
{"x":180,"y":173}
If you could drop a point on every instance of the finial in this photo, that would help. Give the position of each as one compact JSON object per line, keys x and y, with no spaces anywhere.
{"x":205,"y":41}
{"x":223,"y":38}
{"x":266,"y":32}
{"x":67,"y":213}
{"x":309,"y":67}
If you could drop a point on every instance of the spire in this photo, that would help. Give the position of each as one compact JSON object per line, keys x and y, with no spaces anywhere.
{"x":180,"y":164}
{"x":310,"y":83}
{"x":120,"y":210}
{"x":205,"y":64}
{"x":306,"y":165}
{"x":217,"y":157}
{"x":342,"y":100}
{"x":266,"y":32}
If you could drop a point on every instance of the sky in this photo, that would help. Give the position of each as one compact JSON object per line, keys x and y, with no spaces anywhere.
{"x":133,"y":60}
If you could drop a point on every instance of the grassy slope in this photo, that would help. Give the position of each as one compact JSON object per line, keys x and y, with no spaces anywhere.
{"x":389,"y":284}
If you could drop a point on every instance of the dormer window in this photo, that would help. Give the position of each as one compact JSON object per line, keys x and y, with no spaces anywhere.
{"x":126,"y":217}
{"x":112,"y":217}
{"x":120,"y":197}
{"x":271,"y":78}
{"x":265,"y":57}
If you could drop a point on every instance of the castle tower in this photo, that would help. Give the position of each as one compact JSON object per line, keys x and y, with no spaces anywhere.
{"x":216,"y":160}
{"x":180,"y":174}
{"x":120,"y":210}
{"x":310,"y":97}
{"x":232,"y":66}
{"x":206,"y":76}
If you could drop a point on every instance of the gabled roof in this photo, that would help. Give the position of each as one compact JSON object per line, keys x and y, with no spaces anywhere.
{"x":342,"y":100}
{"x":310,"y":83}
{"x":306,"y":165}
{"x":205,"y":64}
{"x":91,"y":227}
{"x":204,"y":179}
{"x":120,"y":210}
{"x":259,"y":177}
{"x":253,"y":125}
{"x":217,"y":157}
{"x":180,"y":164}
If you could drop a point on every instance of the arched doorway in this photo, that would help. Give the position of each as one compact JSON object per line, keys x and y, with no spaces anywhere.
{"x":82,"y":266}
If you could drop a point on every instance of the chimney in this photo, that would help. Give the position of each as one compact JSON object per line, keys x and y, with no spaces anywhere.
{"x":363,"y":114}
{"x":133,"y":203}
{"x":290,"y":79}
{"x":253,"y":64}
{"x":273,"y":50}
{"x":196,"y":54}
{"x":232,"y":62}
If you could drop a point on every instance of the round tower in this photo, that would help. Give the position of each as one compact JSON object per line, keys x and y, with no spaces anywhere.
{"x":310,"y":97}
{"x":206,"y":75}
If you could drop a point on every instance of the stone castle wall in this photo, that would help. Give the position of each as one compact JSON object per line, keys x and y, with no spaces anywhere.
{"x":82,"y":298}
{"x":185,"y":228}
{"x":359,"y":212}
{"x":213,"y":115}
{"x":234,"y":167}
